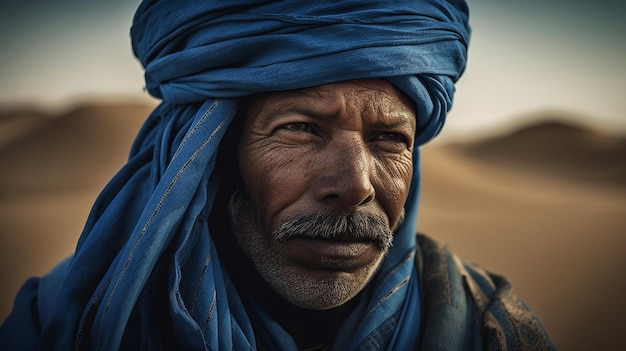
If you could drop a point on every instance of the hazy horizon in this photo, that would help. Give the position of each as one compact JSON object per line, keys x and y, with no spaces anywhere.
{"x":523,"y":58}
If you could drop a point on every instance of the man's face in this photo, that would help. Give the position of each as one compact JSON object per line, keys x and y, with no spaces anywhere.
{"x":327,"y":171}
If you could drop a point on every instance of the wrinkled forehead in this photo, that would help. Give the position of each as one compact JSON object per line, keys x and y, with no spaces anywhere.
{"x":368,"y":96}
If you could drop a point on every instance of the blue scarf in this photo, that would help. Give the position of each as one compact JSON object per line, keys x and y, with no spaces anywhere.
{"x":146,"y":264}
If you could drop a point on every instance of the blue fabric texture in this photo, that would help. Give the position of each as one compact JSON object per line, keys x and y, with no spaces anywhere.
{"x":146,"y":261}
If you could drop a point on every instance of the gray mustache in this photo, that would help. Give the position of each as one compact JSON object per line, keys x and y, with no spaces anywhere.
{"x":357,"y":225}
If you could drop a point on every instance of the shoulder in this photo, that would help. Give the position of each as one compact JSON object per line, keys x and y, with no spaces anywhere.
{"x":32,"y":307}
{"x":21,"y":329}
{"x":506,"y":321}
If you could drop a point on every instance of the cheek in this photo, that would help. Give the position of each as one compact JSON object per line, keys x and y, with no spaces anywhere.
{"x":394,"y":178}
{"x":275,"y":177}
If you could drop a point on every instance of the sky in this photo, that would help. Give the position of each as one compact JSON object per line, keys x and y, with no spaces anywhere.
{"x":524,"y":58}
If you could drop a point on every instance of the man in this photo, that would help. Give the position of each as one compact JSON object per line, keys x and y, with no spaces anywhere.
{"x":270,"y":201}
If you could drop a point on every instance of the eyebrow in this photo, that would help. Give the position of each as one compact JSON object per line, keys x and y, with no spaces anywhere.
{"x":397,"y":120}
{"x":392,"y":120}
{"x":311,"y":112}
{"x":321,"y":112}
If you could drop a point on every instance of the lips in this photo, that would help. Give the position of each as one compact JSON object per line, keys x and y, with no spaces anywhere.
{"x":341,"y":253}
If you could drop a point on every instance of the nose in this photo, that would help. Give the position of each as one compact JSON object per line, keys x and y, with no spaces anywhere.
{"x":345,"y":175}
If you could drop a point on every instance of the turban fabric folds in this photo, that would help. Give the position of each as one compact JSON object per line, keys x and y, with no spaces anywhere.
{"x":213,"y":49}
{"x":146,"y":270}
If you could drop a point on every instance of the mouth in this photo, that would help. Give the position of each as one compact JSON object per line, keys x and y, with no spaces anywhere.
{"x":340,"y":253}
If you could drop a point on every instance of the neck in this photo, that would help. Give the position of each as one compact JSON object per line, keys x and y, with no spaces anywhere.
{"x":309,"y":328}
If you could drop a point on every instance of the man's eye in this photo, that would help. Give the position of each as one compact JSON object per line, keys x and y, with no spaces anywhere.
{"x":301,"y":127}
{"x":393,"y":138}
{"x":297,"y":132}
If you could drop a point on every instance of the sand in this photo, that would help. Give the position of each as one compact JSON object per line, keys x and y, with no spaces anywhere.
{"x":558,"y":237}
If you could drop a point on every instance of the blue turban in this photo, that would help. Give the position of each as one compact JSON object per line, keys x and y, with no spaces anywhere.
{"x":148,"y":233}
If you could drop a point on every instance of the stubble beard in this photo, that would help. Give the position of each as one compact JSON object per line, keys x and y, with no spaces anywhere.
{"x":292,"y":283}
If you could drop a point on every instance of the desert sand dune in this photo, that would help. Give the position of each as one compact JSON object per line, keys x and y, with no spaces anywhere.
{"x":558,"y":235}
{"x":556,"y":148}
{"x":72,"y":150}
{"x":19,"y":122}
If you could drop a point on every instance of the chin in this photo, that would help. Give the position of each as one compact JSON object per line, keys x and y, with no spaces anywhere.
{"x":319,"y":290}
